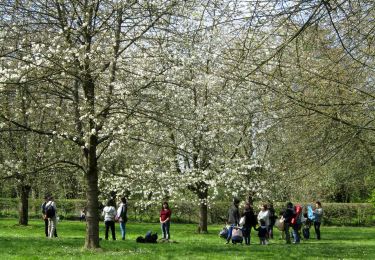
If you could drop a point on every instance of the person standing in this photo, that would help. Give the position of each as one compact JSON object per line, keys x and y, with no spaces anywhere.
{"x":272,"y":217}
{"x":109,"y":213}
{"x":122,"y":216}
{"x":165,"y":220}
{"x":318,"y":215}
{"x":288,"y":215}
{"x":50,"y":211}
{"x":250,"y":221}
{"x":233,"y":217}
{"x":264,"y":214}
{"x":45,"y":219}
{"x":262,"y":232}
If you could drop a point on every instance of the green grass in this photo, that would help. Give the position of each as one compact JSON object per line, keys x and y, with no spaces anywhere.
{"x":17,"y":242}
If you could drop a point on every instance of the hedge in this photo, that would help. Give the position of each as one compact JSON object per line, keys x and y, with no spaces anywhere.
{"x":338,"y":214}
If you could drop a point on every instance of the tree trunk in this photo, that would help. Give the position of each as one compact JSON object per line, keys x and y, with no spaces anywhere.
{"x":24,"y":205}
{"x":203,"y":216}
{"x":203,"y":209}
{"x":92,"y":193}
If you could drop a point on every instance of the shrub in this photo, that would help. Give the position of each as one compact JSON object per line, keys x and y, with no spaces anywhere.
{"x":338,"y":214}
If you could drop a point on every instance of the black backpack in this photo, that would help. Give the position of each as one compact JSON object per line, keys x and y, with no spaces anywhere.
{"x":50,"y":211}
{"x":149,"y":238}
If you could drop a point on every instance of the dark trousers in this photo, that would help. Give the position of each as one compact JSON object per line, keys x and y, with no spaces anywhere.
{"x":287,"y":234}
{"x":110,"y":224}
{"x":306,"y":233}
{"x":317,"y":229}
{"x":46,"y":228}
{"x":295,"y":232}
{"x":246,"y":234}
{"x":270,"y":231}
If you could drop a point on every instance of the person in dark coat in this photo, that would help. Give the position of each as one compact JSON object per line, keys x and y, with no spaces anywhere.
{"x":272,"y":218}
{"x":250,"y":221}
{"x":288,"y":215}
{"x":233,"y":217}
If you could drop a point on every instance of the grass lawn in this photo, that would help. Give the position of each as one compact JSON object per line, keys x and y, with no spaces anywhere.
{"x":17,"y":242}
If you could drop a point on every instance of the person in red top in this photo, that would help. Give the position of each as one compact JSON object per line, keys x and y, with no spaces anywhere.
{"x":165,"y":220}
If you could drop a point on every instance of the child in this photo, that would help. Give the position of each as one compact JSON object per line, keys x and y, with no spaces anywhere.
{"x":262,"y":232}
{"x":306,"y":226}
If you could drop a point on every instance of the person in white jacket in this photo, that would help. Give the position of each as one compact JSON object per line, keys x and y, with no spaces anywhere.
{"x":109,"y":213}
{"x":264,"y":214}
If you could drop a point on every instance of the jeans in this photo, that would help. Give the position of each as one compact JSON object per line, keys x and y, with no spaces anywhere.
{"x":306,"y":233}
{"x":230,"y":229}
{"x":295,"y":233}
{"x":122,"y":229}
{"x":52,"y":226}
{"x":317,"y":229}
{"x":165,"y":230}
{"x":110,"y":224}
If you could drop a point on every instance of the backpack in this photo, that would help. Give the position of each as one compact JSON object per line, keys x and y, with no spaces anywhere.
{"x":310,"y":213}
{"x":50,"y":211}
{"x":153,"y":238}
{"x":237,"y":235}
{"x":149,"y":238}
{"x":224,"y":232}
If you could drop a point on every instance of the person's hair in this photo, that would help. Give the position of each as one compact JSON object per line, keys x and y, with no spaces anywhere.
{"x":289,"y":205}
{"x":236,"y":201}
{"x":319,"y":203}
{"x":305,"y":215}
{"x":164,"y":203}
{"x":123,"y":200}
{"x":50,"y":198}
{"x":110,"y":202}
{"x":265,"y":206}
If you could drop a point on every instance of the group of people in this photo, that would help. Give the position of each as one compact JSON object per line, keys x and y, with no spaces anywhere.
{"x":111,"y":215}
{"x":292,"y":217}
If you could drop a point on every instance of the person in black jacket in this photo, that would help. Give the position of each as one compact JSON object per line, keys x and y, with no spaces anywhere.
{"x":233,"y":217}
{"x":272,"y":218}
{"x":250,"y":221}
{"x":288,"y":215}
